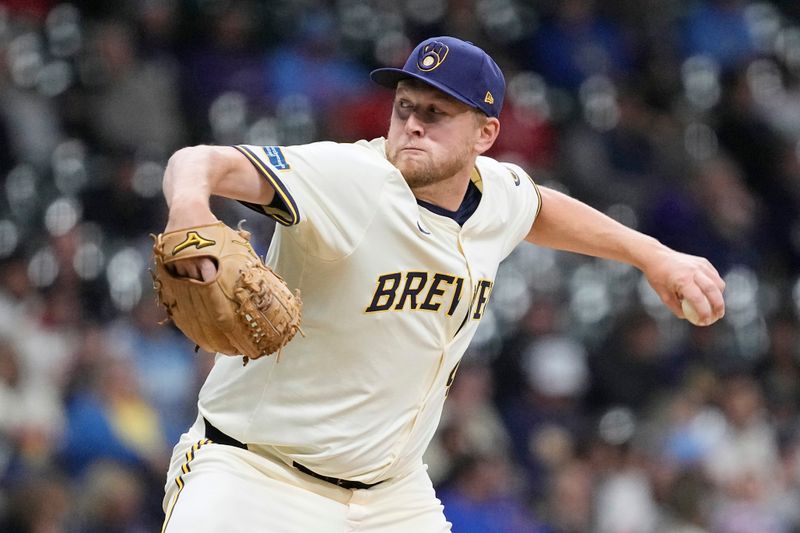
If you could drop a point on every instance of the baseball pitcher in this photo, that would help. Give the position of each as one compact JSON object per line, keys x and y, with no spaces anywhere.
{"x":379,"y":272}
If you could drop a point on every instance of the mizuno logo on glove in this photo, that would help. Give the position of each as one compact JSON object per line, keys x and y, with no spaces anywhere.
{"x":193,"y":239}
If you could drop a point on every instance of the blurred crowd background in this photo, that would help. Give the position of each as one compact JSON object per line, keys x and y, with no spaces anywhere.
{"x":582,"y":406}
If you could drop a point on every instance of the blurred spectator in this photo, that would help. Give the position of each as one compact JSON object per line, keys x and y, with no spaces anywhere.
{"x":687,"y":504}
{"x":752,"y":105}
{"x":29,"y":120}
{"x":165,"y":365}
{"x":744,"y":464}
{"x":31,"y":417}
{"x":117,"y":206}
{"x":111,"y":420}
{"x":528,"y":137}
{"x":541,"y":319}
{"x":46,"y":341}
{"x":135,"y":104}
{"x":157,"y":25}
{"x":779,"y":373}
{"x":309,"y":72}
{"x":226,"y":58}
{"x":112,"y":501}
{"x":749,"y":450}
{"x":628,"y":370}
{"x":717,"y":216}
{"x":39,"y":505}
{"x":18,"y":297}
{"x":693,"y":428}
{"x":623,"y":497}
{"x":568,"y":506}
{"x":482,"y":499}
{"x":311,"y":63}
{"x":718,"y":28}
{"x":577,"y":42}
{"x":546,"y":420}
{"x":365,"y":117}
{"x":624,"y":503}
{"x":619,"y":163}
{"x":469,"y":426}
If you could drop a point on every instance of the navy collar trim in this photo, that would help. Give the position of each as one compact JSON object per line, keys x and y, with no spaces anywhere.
{"x":468,"y":205}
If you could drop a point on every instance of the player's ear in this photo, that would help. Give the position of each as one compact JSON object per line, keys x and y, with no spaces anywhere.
{"x":489,"y":129}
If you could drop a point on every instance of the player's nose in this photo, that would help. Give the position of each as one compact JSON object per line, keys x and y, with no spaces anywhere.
{"x":413,"y":125}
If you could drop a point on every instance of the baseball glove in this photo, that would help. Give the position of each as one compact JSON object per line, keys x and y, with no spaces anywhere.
{"x":247,"y":310}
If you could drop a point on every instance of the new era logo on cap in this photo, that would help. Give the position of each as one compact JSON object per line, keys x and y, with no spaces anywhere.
{"x":455,"y":67}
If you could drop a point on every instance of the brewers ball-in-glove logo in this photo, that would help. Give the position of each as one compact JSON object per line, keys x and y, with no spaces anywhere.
{"x":432,"y":55}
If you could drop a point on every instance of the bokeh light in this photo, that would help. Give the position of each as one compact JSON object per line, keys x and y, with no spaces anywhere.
{"x":264,"y":132}
{"x":124,"y":275}
{"x":392,"y":47}
{"x":528,"y":92}
{"x":617,"y":426}
{"x":69,"y":166}
{"x":88,"y":261}
{"x":24,"y":56}
{"x":61,"y":216}
{"x":700,"y":141}
{"x":9,"y":237}
{"x":63,"y":30}
{"x":425,"y":11}
{"x":502,"y":18}
{"x":511,"y":299}
{"x":147,"y":177}
{"x":599,"y":99}
{"x":741,"y":296}
{"x":43,"y":267}
{"x":228,"y":116}
{"x":765,"y":80}
{"x":787,"y":46}
{"x":54,"y":78}
{"x":589,"y":299}
{"x":764,"y":24}
{"x":22,"y":190}
{"x":700,"y":75}
{"x":296,"y":119}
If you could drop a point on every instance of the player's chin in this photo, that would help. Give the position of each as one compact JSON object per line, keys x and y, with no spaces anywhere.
{"x":416,"y":175}
{"x":407,"y":166}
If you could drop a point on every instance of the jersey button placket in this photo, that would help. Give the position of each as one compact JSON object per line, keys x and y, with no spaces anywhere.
{"x":469,"y":288}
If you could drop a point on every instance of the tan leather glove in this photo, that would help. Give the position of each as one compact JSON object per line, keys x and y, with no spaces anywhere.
{"x":246,"y":310}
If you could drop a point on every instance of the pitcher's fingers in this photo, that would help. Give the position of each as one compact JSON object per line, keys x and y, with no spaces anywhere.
{"x":208,"y":271}
{"x":186,"y":268}
{"x":672,"y":302}
{"x":713,"y":275}
{"x":694,"y":294}
{"x":713,"y":294}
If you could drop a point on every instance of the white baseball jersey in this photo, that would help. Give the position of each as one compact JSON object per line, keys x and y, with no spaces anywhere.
{"x":392,"y":295}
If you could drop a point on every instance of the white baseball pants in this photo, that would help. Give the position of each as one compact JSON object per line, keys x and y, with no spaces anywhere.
{"x":216,"y":487}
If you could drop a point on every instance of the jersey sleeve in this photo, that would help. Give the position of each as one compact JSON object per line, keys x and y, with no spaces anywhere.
{"x":326,"y":193}
{"x":525,"y":202}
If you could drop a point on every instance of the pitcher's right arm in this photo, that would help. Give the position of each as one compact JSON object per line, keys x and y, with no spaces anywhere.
{"x":196,"y":173}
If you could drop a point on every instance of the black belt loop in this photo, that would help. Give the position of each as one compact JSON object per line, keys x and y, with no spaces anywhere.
{"x":218,"y":437}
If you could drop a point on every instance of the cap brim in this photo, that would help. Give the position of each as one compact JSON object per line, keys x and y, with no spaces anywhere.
{"x":389,"y":77}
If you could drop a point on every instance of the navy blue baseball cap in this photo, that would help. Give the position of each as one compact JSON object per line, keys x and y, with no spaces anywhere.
{"x":455,"y":67}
